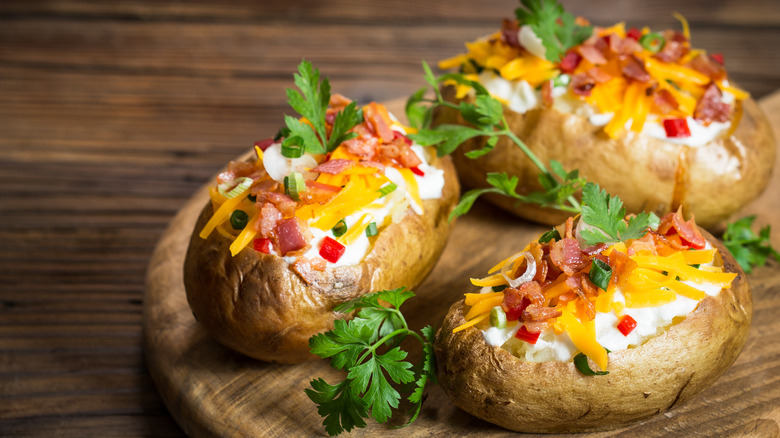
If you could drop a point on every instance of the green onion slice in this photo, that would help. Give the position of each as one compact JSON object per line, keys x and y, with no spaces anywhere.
{"x":242,"y":184}
{"x":653,"y":42}
{"x":500,"y":287}
{"x":340,"y":228}
{"x":239,"y":219}
{"x":294,"y":185}
{"x":581,"y":362}
{"x":498,"y":317}
{"x":553,"y":235}
{"x":371,"y":229}
{"x":292,"y":150}
{"x":386,"y":189}
{"x":561,"y":81}
{"x":600,"y":273}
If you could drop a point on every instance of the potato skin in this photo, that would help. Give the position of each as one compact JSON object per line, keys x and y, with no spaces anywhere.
{"x":719,"y":178}
{"x":553,"y":397}
{"x":256,"y":304}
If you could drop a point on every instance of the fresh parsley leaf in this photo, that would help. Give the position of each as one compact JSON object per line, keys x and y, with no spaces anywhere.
{"x":605,"y":216}
{"x":418,"y":112}
{"x":748,"y":248}
{"x":366,"y":347}
{"x":556,"y":28}
{"x":345,"y":120}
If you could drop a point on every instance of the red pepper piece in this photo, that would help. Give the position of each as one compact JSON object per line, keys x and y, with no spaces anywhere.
{"x":264,"y":144}
{"x":717,"y":57}
{"x":524,"y":335}
{"x":262,"y":245}
{"x":331,"y":250}
{"x":416,"y":170}
{"x":570,"y":61}
{"x":634,"y":33}
{"x":677,"y":128}
{"x":626,"y":325}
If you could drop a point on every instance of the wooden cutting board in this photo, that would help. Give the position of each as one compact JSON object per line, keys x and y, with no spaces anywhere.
{"x":212,"y":391}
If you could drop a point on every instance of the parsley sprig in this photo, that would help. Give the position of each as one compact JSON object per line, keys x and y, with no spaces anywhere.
{"x":749,"y":249}
{"x":604,"y":215}
{"x":486,"y":118}
{"x":368,"y":349}
{"x":557,"y":28}
{"x":311,"y":102}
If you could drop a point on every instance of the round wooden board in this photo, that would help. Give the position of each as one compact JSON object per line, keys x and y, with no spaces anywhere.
{"x":212,"y":391}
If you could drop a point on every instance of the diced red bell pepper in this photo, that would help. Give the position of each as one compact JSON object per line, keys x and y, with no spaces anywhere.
{"x":676,"y":128}
{"x":717,"y":57}
{"x":416,"y":170}
{"x":634,"y":33}
{"x":397,"y":135}
{"x":524,"y":335}
{"x":264,"y":144}
{"x":570,"y":61}
{"x":262,"y":245}
{"x":626,"y":325}
{"x":331,"y":250}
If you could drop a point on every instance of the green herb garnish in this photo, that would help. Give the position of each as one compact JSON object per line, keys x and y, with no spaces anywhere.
{"x":556,"y":28}
{"x":340,"y":228}
{"x":311,"y":102}
{"x":749,"y":249}
{"x":239,"y":219}
{"x":606,"y":216}
{"x":600,"y":273}
{"x":366,"y":347}
{"x":581,"y":362}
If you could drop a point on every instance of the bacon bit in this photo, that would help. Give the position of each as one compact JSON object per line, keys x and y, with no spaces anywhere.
{"x":595,"y":249}
{"x":339,"y":101}
{"x":666,"y":245}
{"x":688,"y":230}
{"x":621,"y":265}
{"x":581,"y":84}
{"x":375,"y":164}
{"x":334,"y":167}
{"x":290,"y":236}
{"x":364,"y":145}
{"x":399,"y":152}
{"x":269,"y":217}
{"x":236,"y":169}
{"x":644,"y":245}
{"x":509,"y":29}
{"x":717,"y":57}
{"x":264,"y":144}
{"x":377,"y":119}
{"x":569,"y":228}
{"x":516,"y":300}
{"x":582,"y":286}
{"x":284,"y":203}
{"x":570,"y":61}
{"x":665,"y":101}
{"x":592,"y":54}
{"x":318,"y":192}
{"x":541,"y":266}
{"x":598,"y":75}
{"x":265,"y":185}
{"x":330,"y":117}
{"x":318,"y":186}
{"x":538,"y":313}
{"x":634,"y":69}
{"x":398,"y":136}
{"x":567,"y":256}
{"x":547,"y":96}
{"x":711,"y":108}
{"x":672,"y":51}
{"x":705,"y":65}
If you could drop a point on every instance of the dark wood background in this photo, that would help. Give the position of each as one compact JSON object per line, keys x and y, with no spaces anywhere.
{"x":112,"y":114}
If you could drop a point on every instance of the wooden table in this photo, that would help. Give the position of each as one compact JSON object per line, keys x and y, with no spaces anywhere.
{"x":113,"y":114}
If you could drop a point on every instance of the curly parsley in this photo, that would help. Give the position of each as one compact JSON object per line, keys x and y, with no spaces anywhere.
{"x":749,"y":249}
{"x":557,"y":28}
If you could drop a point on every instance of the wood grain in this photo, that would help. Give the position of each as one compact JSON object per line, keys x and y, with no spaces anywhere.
{"x":112,"y":114}
{"x":212,"y":391}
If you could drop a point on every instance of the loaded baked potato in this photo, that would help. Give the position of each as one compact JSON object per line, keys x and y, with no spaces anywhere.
{"x":285,"y":240}
{"x":642,"y":113}
{"x":572,"y":336}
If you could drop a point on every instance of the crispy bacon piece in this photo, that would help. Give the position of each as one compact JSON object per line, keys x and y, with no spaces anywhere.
{"x":317,"y":192}
{"x":672,"y":51}
{"x":264,"y":185}
{"x":621,"y":265}
{"x":570,"y":61}
{"x":705,"y":65}
{"x":339,"y":101}
{"x":595,"y":249}
{"x":547,"y":96}
{"x":364,"y":145}
{"x":582,"y":286}
{"x":665,"y":101}
{"x":592,"y":53}
{"x":688,"y":230}
{"x":516,"y":300}
{"x":634,"y":69}
{"x":269,"y":217}
{"x":398,"y":151}
{"x":711,"y":108}
{"x":290,"y":236}
{"x":623,"y":46}
{"x":236,"y":169}
{"x":377,"y":119}
{"x":646,"y":244}
{"x":581,"y":84}
{"x":284,"y":203}
{"x":334,"y":167}
{"x":537,"y":313}
{"x":509,"y":29}
{"x":598,"y":75}
{"x":567,"y":256}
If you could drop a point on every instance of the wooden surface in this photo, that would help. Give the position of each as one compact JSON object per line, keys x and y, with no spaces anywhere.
{"x":112,"y":114}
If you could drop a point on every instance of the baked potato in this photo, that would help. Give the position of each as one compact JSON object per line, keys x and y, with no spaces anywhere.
{"x":642,"y":113}
{"x":526,"y":380}
{"x":317,"y":231}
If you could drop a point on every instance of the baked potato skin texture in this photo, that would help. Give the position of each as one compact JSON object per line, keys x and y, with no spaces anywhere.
{"x":256,"y":304}
{"x":717,"y":180}
{"x":553,"y":397}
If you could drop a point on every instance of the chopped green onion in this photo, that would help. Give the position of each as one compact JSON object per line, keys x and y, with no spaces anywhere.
{"x":386,"y":189}
{"x":294,"y":185}
{"x":371,"y":229}
{"x":561,"y":81}
{"x":252,"y":198}
{"x":696,"y":265}
{"x":498,"y":317}
{"x":553,"y":235}
{"x":340,"y":228}
{"x":499,"y":288}
{"x":653,"y":42}
{"x":600,"y":273}
{"x":581,"y":362}
{"x":292,"y":150}
{"x":243,"y":183}
{"x":239,"y":219}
